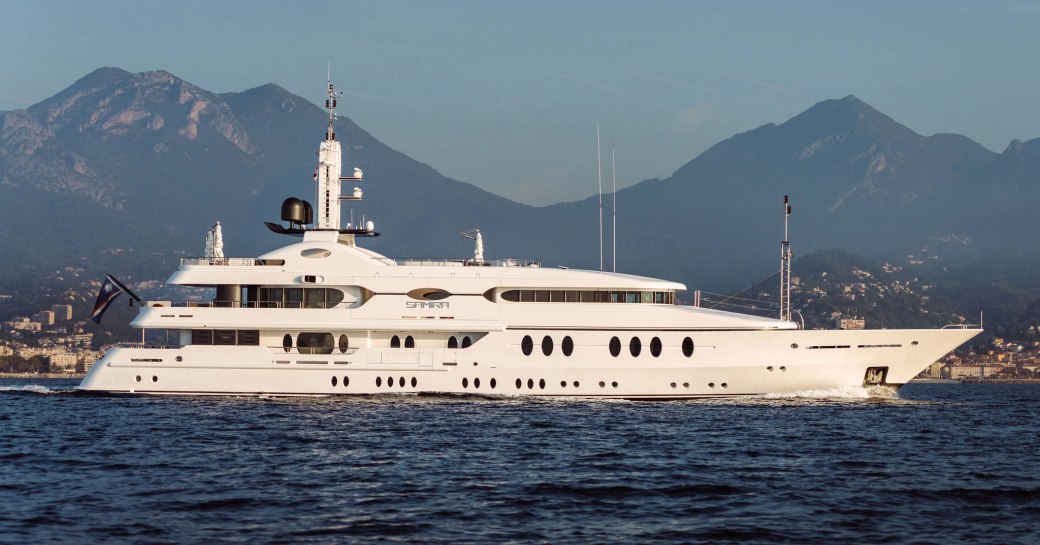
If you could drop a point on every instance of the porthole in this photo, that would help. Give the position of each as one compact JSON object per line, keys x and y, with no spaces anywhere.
{"x":613,"y":384}
{"x":155,"y":378}
{"x":686,"y":385}
{"x":400,"y":382}
{"x":493,"y":382}
{"x":530,"y":383}
{"x":769,"y":368}
{"x":395,"y":342}
{"x":783,"y":368}
{"x":180,"y":358}
{"x":379,"y":381}
{"x":465,"y":383}
{"x":389,"y":382}
{"x":414,"y":382}
{"x":138,"y":378}
{"x":914,"y":343}
{"x":575,"y":384}
{"x":794,"y":345}
{"x":334,"y":381}
{"x":518,"y":384}
{"x":453,"y":342}
{"x":527,"y":345}
{"x":541,"y":384}
{"x":466,"y":342}
{"x":724,"y":385}
{"x":673,"y":385}
{"x":409,"y":342}
{"x":687,"y":347}
{"x":547,"y":345}
{"x":346,"y":381}
{"x":476,"y":383}
{"x":602,"y":384}
{"x":711,"y":385}
{"x":287,"y":342}
{"x":615,"y":347}
{"x":563,"y":384}
{"x":655,"y":347}
{"x":567,"y":346}
{"x":635,"y":346}
{"x":344,"y":344}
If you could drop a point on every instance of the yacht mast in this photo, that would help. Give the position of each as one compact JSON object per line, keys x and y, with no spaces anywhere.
{"x":785,"y":268}
{"x":330,"y":160}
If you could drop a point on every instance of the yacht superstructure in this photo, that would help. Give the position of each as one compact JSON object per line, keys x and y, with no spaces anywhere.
{"x":325,"y":316}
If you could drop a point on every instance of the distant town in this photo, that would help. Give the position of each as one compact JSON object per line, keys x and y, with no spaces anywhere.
{"x":47,"y":342}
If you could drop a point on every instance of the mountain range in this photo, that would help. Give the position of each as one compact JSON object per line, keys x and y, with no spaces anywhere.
{"x":130,"y":170}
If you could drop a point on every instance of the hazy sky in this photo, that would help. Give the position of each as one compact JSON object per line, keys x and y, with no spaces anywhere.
{"x":507,"y":95}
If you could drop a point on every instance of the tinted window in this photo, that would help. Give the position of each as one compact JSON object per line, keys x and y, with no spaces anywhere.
{"x":547,"y":345}
{"x":655,"y":347}
{"x":687,"y":347}
{"x":287,"y":342}
{"x":635,"y":346}
{"x":568,"y":346}
{"x":344,"y":343}
{"x":314,"y":343}
{"x":615,"y":347}
{"x":527,"y":345}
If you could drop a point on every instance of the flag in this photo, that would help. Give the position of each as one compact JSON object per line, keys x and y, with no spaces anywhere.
{"x":109,"y":291}
{"x":316,"y":171}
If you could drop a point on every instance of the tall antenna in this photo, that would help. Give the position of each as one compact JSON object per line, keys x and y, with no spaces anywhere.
{"x":599,"y":179}
{"x":785,"y":268}
{"x":613,"y":237}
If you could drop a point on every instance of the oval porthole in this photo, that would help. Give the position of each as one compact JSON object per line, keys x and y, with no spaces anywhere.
{"x":334,"y":381}
{"x":400,"y":382}
{"x":138,"y":378}
{"x":687,"y":347}
{"x":541,"y":383}
{"x":635,"y":346}
{"x":615,"y":347}
{"x":414,"y":382}
{"x":453,"y":342}
{"x":547,"y":345}
{"x":429,"y":294}
{"x":530,"y":383}
{"x":409,"y":342}
{"x":465,"y":383}
{"x":346,"y":381}
{"x":655,"y":347}
{"x":476,"y":383}
{"x":389,"y":382}
{"x":287,"y":342}
{"x":493,"y":383}
{"x":527,"y":345}
{"x":344,"y":344}
{"x":379,"y":381}
{"x":315,"y":253}
{"x":567,"y":346}
{"x":519,"y":383}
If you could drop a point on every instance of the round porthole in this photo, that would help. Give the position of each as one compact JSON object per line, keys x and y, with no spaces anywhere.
{"x":563,"y":384}
{"x":575,"y":384}
{"x":138,"y":378}
{"x":155,"y":378}
{"x":673,"y":385}
{"x":602,"y":384}
{"x":613,"y":384}
{"x":655,"y":347}
{"x":687,"y":347}
{"x":794,"y":345}
{"x":914,"y":343}
{"x":527,"y":345}
{"x":615,"y":347}
{"x":635,"y":346}
{"x":547,"y":345}
{"x":711,"y":385}
{"x":567,"y":346}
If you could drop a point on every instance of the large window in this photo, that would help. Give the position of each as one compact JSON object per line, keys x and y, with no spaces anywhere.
{"x":315,"y":343}
{"x":589,"y":296}
{"x":298,"y":298}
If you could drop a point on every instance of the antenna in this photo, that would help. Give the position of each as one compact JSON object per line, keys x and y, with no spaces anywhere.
{"x":785,"y":268}
{"x":613,"y":237}
{"x":599,"y":178}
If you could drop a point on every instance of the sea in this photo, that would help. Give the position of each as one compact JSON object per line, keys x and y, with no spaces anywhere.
{"x":929,"y":464}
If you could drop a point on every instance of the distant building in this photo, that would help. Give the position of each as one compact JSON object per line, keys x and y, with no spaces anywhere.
{"x":6,"y":351}
{"x":62,"y":313}
{"x":851,"y":323}
{"x":45,"y":317}
{"x":973,"y":370}
{"x":62,"y":363}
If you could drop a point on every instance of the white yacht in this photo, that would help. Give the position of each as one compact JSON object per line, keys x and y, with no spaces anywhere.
{"x":325,"y":316}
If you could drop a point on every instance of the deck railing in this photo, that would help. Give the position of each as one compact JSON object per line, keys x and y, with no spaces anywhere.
{"x":232,"y":261}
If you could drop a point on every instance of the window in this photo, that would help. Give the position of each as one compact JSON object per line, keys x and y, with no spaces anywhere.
{"x":512,"y":296}
{"x":287,"y":342}
{"x":635,"y":346}
{"x":314,"y":297}
{"x":655,"y":347}
{"x":687,"y":347}
{"x":567,"y":345}
{"x":395,"y":342}
{"x":249,"y":337}
{"x":293,"y":297}
{"x":541,"y":296}
{"x":615,"y":347}
{"x":344,"y":344}
{"x":453,"y":342}
{"x":547,"y":345}
{"x":527,"y":345}
{"x":204,"y":336}
{"x":225,"y":337}
{"x":557,"y":296}
{"x":409,"y":342}
{"x":314,"y":343}
{"x":466,"y":342}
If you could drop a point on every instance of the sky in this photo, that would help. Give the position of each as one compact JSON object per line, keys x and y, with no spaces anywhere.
{"x":507,"y":96}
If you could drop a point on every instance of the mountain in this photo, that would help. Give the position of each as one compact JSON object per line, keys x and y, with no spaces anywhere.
{"x":127,"y":171}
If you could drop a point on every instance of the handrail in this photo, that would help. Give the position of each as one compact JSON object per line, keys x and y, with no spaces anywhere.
{"x":962,"y":326}
{"x":232,"y":261}
{"x":194,"y":303}
{"x":448,"y":262}
{"x":281,"y":349}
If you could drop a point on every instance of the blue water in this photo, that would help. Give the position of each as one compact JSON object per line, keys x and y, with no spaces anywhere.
{"x":940,"y":463}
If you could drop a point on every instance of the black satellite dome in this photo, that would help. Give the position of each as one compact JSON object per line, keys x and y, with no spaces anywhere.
{"x":294,"y":210}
